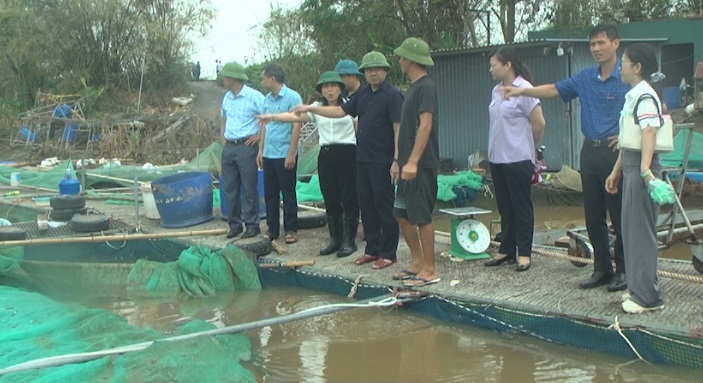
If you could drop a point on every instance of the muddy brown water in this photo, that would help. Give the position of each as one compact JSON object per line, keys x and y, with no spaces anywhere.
{"x":377,"y":345}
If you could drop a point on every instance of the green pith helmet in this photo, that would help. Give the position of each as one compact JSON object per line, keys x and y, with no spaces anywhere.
{"x":234,"y":70}
{"x":347,"y":67}
{"x":374,"y":59}
{"x":415,"y":50}
{"x":329,"y":78}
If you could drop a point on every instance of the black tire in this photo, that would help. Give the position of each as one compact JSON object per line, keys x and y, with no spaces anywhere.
{"x":581,"y":251}
{"x":65,"y":215}
{"x":12,"y":233}
{"x":256,"y":249}
{"x":311,"y":219}
{"x":697,"y":264}
{"x":67,"y":202}
{"x":89,"y":223}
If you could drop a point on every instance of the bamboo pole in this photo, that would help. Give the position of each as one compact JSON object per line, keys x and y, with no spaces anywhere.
{"x":272,"y":265}
{"x":115,"y":179}
{"x":105,"y":238}
{"x":38,"y":188}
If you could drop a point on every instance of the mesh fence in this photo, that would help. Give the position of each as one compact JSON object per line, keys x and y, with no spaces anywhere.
{"x":35,"y":326}
{"x":562,"y":329}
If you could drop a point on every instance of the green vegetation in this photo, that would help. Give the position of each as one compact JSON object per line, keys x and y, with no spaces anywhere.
{"x":323,"y":32}
{"x":95,"y":48}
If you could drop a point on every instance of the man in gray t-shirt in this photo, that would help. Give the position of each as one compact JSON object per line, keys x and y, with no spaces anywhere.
{"x":418,"y":159}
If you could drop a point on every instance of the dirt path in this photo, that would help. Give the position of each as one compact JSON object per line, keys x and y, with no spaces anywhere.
{"x":208,"y":98}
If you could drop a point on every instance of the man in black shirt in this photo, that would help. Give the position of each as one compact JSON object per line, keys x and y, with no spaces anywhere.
{"x":418,"y":158}
{"x":378,"y":106}
{"x":349,"y":72}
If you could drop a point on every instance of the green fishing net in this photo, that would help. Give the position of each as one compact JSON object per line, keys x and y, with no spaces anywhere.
{"x":661,"y":192}
{"x":35,"y":326}
{"x":199,"y":271}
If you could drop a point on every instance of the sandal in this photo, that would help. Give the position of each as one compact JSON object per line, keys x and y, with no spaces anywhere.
{"x":403,"y":275}
{"x":382,"y":263}
{"x":270,"y":236}
{"x":364,"y":259}
{"x":291,"y":237}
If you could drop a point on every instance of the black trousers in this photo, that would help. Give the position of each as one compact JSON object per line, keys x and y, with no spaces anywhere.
{"x":512,"y":185}
{"x":376,"y":196}
{"x":279,"y":180}
{"x":336,"y":166}
{"x":596,"y":165}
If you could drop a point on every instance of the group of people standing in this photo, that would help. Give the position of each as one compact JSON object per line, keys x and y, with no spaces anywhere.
{"x":372,"y":139}
{"x":614,"y":181}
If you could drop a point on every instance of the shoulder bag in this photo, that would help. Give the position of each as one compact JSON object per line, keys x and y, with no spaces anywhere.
{"x":630,"y":137}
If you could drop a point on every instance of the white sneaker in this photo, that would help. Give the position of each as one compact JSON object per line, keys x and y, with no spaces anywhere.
{"x":626,"y":296}
{"x":631,"y":307}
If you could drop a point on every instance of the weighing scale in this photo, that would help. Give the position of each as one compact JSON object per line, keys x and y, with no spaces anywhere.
{"x":470,"y":237}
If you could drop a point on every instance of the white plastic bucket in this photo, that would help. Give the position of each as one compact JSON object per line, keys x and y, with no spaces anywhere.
{"x":15,"y":179}
{"x":150,"y":210}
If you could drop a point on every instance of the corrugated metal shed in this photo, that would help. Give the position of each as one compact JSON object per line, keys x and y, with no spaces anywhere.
{"x":464,"y":87}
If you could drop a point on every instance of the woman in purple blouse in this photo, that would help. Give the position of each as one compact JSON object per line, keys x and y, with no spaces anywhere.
{"x":516,"y":129}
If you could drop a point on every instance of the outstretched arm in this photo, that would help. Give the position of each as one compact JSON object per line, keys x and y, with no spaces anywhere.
{"x":326,"y":111}
{"x":542,"y":91}
{"x":283,"y":117}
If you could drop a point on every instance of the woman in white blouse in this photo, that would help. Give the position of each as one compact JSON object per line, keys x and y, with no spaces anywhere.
{"x":638,"y":168}
{"x":336,"y":165}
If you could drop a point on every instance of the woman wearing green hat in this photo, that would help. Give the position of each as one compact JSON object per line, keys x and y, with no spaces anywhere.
{"x":336,"y":165}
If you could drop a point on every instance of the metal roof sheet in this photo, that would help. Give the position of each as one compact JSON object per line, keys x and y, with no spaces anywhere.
{"x":531,"y":43}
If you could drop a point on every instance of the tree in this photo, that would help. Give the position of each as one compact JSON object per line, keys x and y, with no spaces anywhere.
{"x":27,"y":56}
{"x":106,"y":41}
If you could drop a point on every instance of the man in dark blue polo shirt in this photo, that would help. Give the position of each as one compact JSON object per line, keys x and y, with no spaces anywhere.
{"x":378,"y":106}
{"x":602,"y":96}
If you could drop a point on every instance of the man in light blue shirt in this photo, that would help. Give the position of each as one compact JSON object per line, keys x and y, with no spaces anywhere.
{"x":278,"y":155}
{"x":239,"y":135}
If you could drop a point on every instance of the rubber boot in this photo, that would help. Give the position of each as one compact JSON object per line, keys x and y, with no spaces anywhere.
{"x":349,"y":242}
{"x":334,"y":223}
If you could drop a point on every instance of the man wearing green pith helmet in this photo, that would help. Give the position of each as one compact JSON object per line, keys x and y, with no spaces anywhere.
{"x":378,"y":106}
{"x":418,"y":158}
{"x":348,"y":70}
{"x":239,"y":134}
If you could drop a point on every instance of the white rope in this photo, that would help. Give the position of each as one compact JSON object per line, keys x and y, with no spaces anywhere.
{"x":113,"y":247}
{"x":487,"y":191}
{"x":616,"y":326}
{"x":355,"y":286}
{"x":390,"y":301}
{"x":670,"y":339}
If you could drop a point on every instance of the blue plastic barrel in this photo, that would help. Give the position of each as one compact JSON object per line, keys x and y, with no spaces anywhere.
{"x":27,"y":134}
{"x":183,"y":199}
{"x":224,"y":209}
{"x":69,"y":133}
{"x":671,"y":97}
{"x":62,"y":111}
